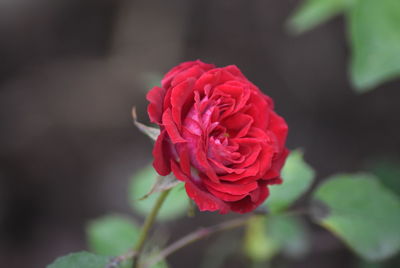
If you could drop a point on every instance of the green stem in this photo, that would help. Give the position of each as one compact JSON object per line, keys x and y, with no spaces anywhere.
{"x":147,"y":226}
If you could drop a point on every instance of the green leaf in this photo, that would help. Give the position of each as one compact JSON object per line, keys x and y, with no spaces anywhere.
{"x":257,"y":245}
{"x":174,"y":206}
{"x":80,"y":260}
{"x":112,"y":235}
{"x":361,"y":212}
{"x":388,"y":172}
{"x":375,"y":41}
{"x":161,"y":264}
{"x":290,"y":233}
{"x":162,"y":183}
{"x":364,"y":264}
{"x":268,"y":236}
{"x":297,"y":178}
{"x":314,"y":12}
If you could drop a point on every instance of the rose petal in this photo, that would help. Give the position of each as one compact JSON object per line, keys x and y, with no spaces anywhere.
{"x":205,"y":201}
{"x":246,"y":204}
{"x":234,"y":70}
{"x":166,"y":81}
{"x":238,"y":125}
{"x":249,"y":171}
{"x":251,"y":157}
{"x":277,"y":165}
{"x":184,"y":158}
{"x":155,"y":96}
{"x":259,"y":110}
{"x":278,"y":127}
{"x":194,"y":71}
{"x":161,"y":155}
{"x":180,"y":95}
{"x":225,"y":196}
{"x":178,"y":172}
{"x":222,"y":169}
{"x":231,"y":188}
{"x":171,"y":127}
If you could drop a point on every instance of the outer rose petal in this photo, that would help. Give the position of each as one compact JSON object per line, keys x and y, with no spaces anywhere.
{"x":277,"y":165}
{"x":161,"y":155}
{"x":205,"y":201}
{"x":166,"y":81}
{"x":278,"y":126}
{"x":230,"y":188}
{"x":246,"y":205}
{"x":171,"y":127}
{"x":155,"y":108}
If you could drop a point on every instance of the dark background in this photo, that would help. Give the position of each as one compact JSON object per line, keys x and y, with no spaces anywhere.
{"x":70,"y":71}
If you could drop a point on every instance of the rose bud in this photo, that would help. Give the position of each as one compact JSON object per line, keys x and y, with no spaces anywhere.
{"x":219,"y":134}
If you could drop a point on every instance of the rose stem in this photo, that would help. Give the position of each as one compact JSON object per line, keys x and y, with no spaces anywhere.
{"x":195,"y":236}
{"x":147,"y":225}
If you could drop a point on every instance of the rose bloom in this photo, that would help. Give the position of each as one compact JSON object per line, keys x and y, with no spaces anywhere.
{"x":219,"y":134}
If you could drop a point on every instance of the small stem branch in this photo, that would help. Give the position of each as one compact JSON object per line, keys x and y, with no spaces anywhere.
{"x":115,"y":262}
{"x":195,"y":236}
{"x":147,"y":226}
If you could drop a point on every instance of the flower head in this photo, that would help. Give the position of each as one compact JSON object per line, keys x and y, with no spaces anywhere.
{"x":219,"y":134}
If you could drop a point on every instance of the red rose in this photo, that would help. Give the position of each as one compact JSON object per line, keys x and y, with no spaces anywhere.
{"x":219,"y":135}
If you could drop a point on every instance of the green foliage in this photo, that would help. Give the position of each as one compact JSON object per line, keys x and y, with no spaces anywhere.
{"x":80,"y":260}
{"x":375,"y":39}
{"x":267,"y":236}
{"x":314,"y":12}
{"x":174,"y":206}
{"x":365,"y":264}
{"x":161,"y":264}
{"x":360,"y":211}
{"x":112,"y":235}
{"x":374,"y":35}
{"x":291,"y":234}
{"x":388,"y":173}
{"x":297,"y":178}
{"x":162,"y":184}
{"x":257,"y":245}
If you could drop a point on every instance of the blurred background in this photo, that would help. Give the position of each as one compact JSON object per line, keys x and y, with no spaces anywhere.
{"x":71,"y":71}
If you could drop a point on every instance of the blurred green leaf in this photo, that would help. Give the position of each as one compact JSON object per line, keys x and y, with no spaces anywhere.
{"x":174,"y":206}
{"x":375,"y":40}
{"x":360,"y":211}
{"x":290,"y":233}
{"x":388,"y":173}
{"x":161,"y":264}
{"x":148,"y":256}
{"x":373,"y":31}
{"x":80,"y":260}
{"x":364,"y":264}
{"x":314,"y":12}
{"x":297,"y":178}
{"x":268,"y":236}
{"x":162,"y":183}
{"x":257,"y":245}
{"x":112,"y":235}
